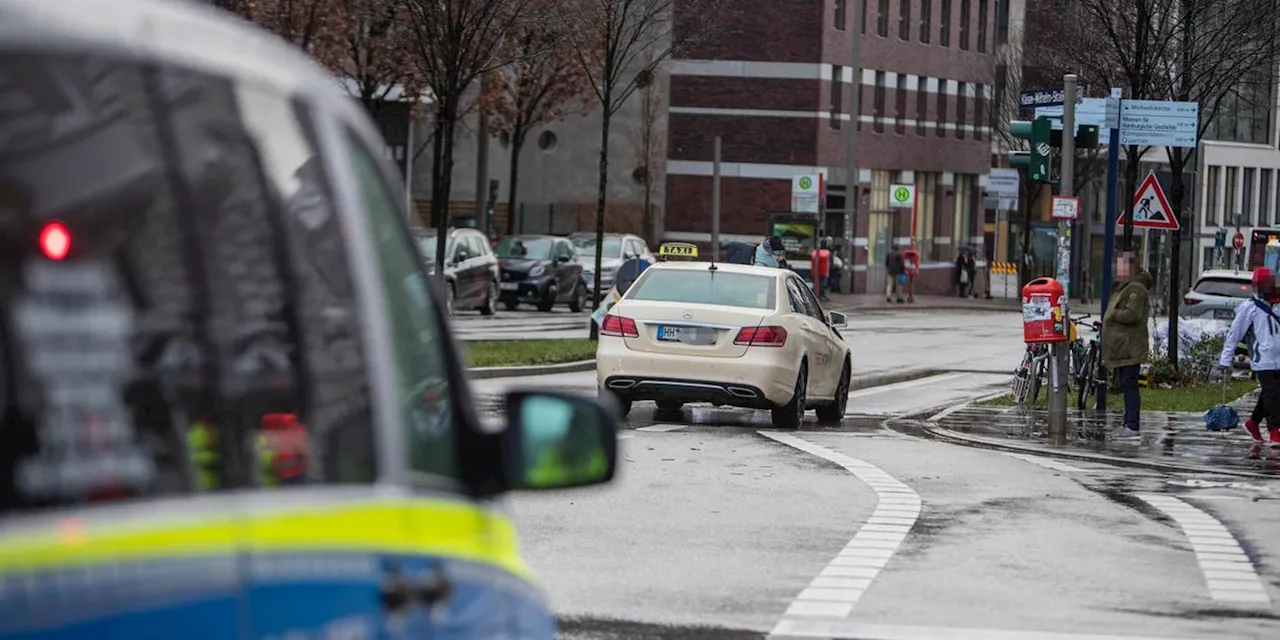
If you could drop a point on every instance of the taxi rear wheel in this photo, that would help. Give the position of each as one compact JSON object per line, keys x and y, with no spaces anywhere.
{"x":790,"y":415}
{"x":833,"y":413}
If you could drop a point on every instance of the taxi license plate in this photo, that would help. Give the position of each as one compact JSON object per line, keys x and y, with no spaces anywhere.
{"x":672,"y":334}
{"x":510,"y":286}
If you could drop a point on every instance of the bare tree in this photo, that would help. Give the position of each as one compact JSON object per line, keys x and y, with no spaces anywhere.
{"x":647,"y":141}
{"x":318,"y":27}
{"x":454,"y":43}
{"x":620,"y":44}
{"x":377,"y":52}
{"x":1201,"y":51}
{"x":542,"y":84}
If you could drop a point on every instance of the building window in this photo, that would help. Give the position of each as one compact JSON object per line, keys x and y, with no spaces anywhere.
{"x":962,"y":101}
{"x":900,"y":127}
{"x":980,"y":102}
{"x":1244,"y":115}
{"x":841,"y":10}
{"x":1266,"y":216}
{"x":922,"y":104}
{"x":964,"y":192}
{"x":942,"y":107}
{"x":882,"y":19}
{"x":904,"y":20}
{"x":1231,"y":202}
{"x":926,"y":20}
{"x":837,"y":95}
{"x":926,"y":188}
{"x":964,"y":24}
{"x":878,"y":116}
{"x":944,"y":24}
{"x":982,"y":25}
{"x":1247,"y":198}
{"x":1212,"y":215}
{"x":1002,"y":22}
{"x":864,"y":16}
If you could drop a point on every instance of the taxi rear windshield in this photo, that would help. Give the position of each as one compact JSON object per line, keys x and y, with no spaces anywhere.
{"x":176,"y":313}
{"x":706,"y":287}
{"x":1224,"y":287}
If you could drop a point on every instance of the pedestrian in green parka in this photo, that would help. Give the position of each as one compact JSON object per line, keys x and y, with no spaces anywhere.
{"x":1125,"y":338}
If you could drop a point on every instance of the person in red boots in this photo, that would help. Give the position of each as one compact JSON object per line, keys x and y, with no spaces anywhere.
{"x":1257,"y":315}
{"x":1254,"y":423}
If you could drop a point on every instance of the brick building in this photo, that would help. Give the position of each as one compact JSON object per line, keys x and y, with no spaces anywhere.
{"x":774,"y":82}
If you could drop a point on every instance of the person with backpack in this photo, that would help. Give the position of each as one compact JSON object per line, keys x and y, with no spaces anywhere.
{"x":1126,"y":340}
{"x":1258,"y":314}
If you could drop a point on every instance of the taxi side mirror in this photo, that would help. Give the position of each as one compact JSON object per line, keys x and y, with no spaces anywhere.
{"x":555,"y":440}
{"x":838,"y":320}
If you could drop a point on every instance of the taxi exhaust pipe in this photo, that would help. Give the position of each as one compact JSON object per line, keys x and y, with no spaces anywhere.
{"x":621,"y":384}
{"x":743,"y":392}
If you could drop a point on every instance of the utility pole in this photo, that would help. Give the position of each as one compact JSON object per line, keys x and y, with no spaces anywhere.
{"x":1058,"y":358}
{"x":715,"y":205}
{"x":1109,"y":219}
{"x":852,"y":187}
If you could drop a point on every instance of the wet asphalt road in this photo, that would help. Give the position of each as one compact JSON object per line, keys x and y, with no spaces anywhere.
{"x":713,"y":529}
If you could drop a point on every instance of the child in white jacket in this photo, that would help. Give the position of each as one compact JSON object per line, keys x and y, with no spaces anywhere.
{"x":1257,"y":314}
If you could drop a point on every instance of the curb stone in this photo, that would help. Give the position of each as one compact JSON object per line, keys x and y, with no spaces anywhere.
{"x":963,"y":439}
{"x":486,"y":373}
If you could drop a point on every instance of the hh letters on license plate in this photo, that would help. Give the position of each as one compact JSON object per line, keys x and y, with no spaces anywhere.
{"x":673,"y":333}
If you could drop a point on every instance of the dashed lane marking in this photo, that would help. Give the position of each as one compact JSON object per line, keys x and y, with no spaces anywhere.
{"x":1227,"y":569}
{"x":835,"y":591}
{"x":1047,"y":463}
{"x":841,"y":630}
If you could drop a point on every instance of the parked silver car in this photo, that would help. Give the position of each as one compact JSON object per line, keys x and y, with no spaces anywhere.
{"x":1216,"y":294}
{"x":618,"y":248}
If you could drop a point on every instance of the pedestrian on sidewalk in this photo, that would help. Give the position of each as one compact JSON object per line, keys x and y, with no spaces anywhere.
{"x":895,"y":267}
{"x":966,"y":270}
{"x":771,"y":253}
{"x":1125,"y":338}
{"x":1258,"y":315}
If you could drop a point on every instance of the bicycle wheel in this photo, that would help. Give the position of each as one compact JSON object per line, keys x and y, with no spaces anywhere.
{"x":1036,"y":380}
{"x":1088,"y":381}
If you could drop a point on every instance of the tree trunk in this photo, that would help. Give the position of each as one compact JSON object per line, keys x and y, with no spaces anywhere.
{"x":1132,"y":166}
{"x":1177,"y":166}
{"x":443,"y":180}
{"x":601,"y":197}
{"x":517,"y":143}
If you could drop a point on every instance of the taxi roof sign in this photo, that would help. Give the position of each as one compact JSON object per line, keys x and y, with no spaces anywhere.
{"x":678,"y":249}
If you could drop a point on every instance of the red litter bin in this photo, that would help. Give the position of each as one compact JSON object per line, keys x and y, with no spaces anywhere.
{"x":1042,"y":317}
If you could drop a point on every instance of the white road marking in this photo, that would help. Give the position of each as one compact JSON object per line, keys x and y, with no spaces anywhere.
{"x":835,"y":591}
{"x":626,"y":436}
{"x":1227,"y":570}
{"x":1048,"y":463}
{"x":870,"y":391}
{"x":662,"y":428}
{"x":839,"y":630}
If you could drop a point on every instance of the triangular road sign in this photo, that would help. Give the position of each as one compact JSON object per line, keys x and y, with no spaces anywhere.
{"x":1150,"y":208}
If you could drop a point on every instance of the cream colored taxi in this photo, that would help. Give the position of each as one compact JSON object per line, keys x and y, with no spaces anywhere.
{"x":727,"y":334}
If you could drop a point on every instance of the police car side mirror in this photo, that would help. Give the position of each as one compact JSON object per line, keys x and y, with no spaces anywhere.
{"x":555,"y":440}
{"x":838,"y":320}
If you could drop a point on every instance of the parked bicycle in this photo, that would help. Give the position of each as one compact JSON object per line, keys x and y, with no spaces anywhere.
{"x":1084,"y":360}
{"x":1031,"y":374}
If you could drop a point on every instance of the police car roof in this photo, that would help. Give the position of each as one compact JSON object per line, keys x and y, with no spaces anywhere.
{"x":185,"y":34}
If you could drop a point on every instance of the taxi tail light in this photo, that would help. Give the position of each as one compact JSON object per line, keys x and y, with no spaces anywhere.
{"x":619,"y":327}
{"x":761,"y":337}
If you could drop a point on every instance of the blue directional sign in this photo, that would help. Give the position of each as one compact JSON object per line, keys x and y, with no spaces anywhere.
{"x":1089,"y":111}
{"x":1159,"y":123}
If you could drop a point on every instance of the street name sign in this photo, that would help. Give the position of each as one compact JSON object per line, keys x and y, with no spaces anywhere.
{"x":1150,"y":208}
{"x":1159,"y":123}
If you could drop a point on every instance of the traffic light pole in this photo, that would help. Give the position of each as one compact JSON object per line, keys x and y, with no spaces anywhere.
{"x":1058,"y":370}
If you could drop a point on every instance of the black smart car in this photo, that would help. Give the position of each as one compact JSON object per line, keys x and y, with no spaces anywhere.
{"x":541,"y":270}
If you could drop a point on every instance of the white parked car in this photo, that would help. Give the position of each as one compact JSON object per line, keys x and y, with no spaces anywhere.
{"x":1216,"y":294}
{"x":727,"y":334}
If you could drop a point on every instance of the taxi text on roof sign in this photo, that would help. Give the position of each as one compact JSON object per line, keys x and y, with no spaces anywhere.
{"x":683,"y":249}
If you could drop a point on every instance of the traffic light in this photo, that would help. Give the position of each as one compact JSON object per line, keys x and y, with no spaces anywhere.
{"x":1086,"y":137}
{"x":1038,"y":133}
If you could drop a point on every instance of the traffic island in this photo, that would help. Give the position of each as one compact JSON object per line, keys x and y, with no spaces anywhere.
{"x":512,"y":358}
{"x":1174,"y":441}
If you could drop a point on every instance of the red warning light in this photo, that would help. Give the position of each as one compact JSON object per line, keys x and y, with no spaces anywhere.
{"x":55,"y":240}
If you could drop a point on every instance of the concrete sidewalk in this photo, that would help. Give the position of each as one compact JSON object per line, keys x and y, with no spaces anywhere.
{"x":1169,"y":441}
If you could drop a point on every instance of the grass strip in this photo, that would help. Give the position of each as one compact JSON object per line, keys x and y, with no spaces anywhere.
{"x":1193,"y":399}
{"x":515,"y":353}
